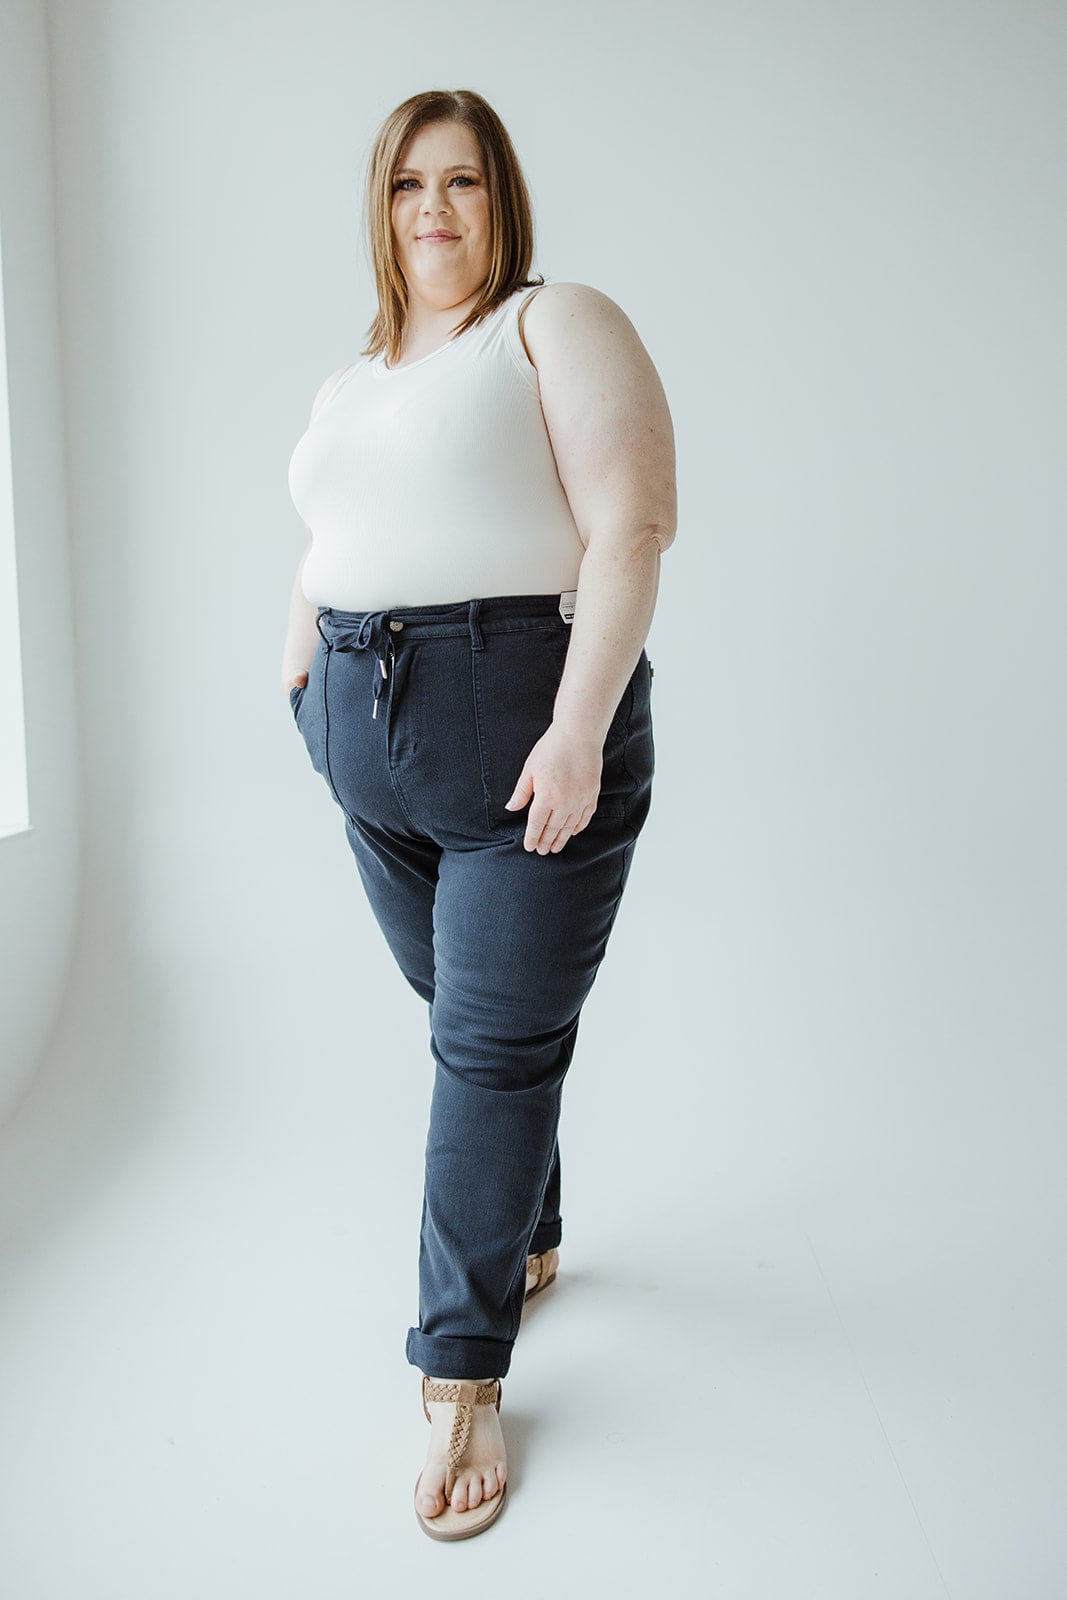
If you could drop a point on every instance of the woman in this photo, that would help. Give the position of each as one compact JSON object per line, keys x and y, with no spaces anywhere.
{"x":488,"y":490}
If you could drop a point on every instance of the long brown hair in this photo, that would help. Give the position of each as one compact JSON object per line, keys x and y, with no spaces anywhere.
{"x":509,"y":202}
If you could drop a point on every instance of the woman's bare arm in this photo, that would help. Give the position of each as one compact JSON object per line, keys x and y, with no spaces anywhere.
{"x":613,"y":440}
{"x":301,"y":635}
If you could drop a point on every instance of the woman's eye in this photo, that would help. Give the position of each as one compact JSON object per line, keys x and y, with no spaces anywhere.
{"x":459,"y":178}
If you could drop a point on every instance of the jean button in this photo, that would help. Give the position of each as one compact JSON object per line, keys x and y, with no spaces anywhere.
{"x":396,"y":626}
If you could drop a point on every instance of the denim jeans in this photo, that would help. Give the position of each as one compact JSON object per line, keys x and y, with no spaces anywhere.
{"x":419,"y":720}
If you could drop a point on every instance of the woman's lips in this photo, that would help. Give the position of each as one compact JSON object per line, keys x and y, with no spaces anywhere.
{"x":438,"y":238}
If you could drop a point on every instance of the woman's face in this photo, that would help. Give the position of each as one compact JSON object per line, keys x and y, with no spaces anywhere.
{"x":440,"y":186}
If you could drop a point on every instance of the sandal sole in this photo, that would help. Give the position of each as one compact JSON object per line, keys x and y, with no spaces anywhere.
{"x":452,"y":1524}
{"x":543,"y":1284}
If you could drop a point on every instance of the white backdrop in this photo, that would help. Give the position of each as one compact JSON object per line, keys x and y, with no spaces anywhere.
{"x":828,"y":1035}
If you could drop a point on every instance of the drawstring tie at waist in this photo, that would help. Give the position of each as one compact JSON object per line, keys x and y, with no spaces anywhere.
{"x":374,"y":632}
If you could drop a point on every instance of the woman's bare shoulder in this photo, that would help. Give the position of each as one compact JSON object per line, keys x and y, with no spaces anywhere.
{"x":558,"y":310}
{"x":570,"y":294}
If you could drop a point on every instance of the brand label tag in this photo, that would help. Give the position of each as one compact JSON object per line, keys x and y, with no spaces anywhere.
{"x":566,"y":604}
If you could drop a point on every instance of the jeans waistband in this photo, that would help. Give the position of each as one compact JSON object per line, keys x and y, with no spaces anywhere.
{"x":355,"y":630}
{"x":378,"y":630}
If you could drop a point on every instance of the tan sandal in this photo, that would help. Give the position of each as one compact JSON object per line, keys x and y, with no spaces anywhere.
{"x":536,"y":1265}
{"x":450,"y":1523}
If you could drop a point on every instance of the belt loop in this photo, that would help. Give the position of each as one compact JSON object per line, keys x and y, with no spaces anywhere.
{"x":318,"y":615}
{"x":476,"y":632}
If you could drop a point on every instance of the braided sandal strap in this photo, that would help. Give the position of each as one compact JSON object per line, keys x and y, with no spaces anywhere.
{"x":466,"y":1395}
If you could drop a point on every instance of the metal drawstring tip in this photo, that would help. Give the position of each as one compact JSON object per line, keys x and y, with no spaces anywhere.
{"x":381,"y":663}
{"x":374,"y":713}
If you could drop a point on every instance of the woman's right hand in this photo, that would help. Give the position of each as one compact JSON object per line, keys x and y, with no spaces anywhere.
{"x":300,"y":679}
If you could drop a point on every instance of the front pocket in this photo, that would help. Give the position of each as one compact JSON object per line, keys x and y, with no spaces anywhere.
{"x":516,"y":679}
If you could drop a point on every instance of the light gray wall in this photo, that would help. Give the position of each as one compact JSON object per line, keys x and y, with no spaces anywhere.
{"x":837,"y":228}
{"x":39,"y":866}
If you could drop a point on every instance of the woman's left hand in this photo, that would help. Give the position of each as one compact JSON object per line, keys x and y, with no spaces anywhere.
{"x":562,"y":774}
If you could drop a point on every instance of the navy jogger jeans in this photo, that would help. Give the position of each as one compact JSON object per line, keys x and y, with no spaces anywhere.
{"x":420,"y":719}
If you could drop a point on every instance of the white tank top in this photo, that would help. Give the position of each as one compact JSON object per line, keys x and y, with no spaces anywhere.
{"x":435,"y":482}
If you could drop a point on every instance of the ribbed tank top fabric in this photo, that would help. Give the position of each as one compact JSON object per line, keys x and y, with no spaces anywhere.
{"x":435,"y":482}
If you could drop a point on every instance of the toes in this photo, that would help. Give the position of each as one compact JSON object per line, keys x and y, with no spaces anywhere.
{"x":467,"y":1492}
{"x":431,"y":1502}
{"x":431,"y":1505}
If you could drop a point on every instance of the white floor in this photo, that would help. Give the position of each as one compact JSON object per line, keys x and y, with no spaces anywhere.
{"x":830,"y":1390}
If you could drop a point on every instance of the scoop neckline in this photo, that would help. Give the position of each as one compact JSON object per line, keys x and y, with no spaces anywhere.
{"x":427,"y":357}
{"x":409,"y":366}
